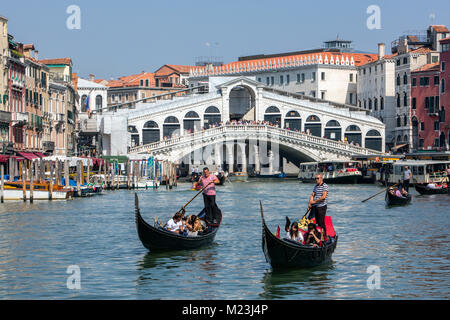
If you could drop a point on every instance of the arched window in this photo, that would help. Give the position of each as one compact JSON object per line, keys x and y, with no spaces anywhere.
{"x":333,"y":130}
{"x":272,"y":109}
{"x":370,"y":104}
{"x":373,"y":140}
{"x":293,"y":121}
{"x":381,"y":103}
{"x":353,"y":134}
{"x":171,"y":127}
{"x":398,"y":100}
{"x":98,"y":102}
{"x":313,"y":126}
{"x":171,"y":120}
{"x":83,"y":103}
{"x":150,"y":132}
{"x":375,"y":104}
{"x":212,"y":117}
{"x":191,"y":121}
{"x":405,"y":120}
{"x":398,"y":79}
{"x":273,"y":115}
{"x":405,"y":79}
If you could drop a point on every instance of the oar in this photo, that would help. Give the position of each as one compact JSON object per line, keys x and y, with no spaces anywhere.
{"x":182,"y":208}
{"x":384,"y":190}
{"x":228,"y":179}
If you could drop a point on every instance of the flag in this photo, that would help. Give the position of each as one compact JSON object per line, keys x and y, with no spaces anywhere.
{"x":87,"y":106}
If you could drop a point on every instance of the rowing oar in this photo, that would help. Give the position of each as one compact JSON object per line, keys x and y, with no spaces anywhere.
{"x":182,"y":208}
{"x":384,"y":190}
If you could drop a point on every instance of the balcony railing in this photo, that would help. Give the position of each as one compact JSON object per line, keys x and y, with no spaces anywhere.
{"x":5,"y":116}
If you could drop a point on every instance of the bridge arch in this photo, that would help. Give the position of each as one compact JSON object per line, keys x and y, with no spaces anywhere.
{"x":150,"y":132}
{"x":313,"y":125}
{"x":212,"y":116}
{"x":333,"y":130}
{"x":191,"y":121}
{"x":242,"y":99}
{"x":353,"y":134}
{"x":171,"y":127}
{"x":293,"y":121}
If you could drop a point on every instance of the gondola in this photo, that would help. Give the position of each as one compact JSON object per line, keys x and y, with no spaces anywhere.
{"x":422,"y":189}
{"x":289,"y":254}
{"x":393,"y":200}
{"x":157,"y":239}
{"x":222,"y":179}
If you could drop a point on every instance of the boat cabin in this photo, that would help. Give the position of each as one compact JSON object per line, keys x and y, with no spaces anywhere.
{"x":422,"y":171}
{"x":333,"y":171}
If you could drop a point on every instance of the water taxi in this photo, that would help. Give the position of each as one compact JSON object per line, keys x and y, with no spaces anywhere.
{"x":238,"y":176}
{"x":423,"y":171}
{"x":333,"y":171}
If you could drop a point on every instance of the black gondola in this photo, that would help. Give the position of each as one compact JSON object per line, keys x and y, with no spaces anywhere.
{"x":393,"y":200}
{"x":156,"y":238}
{"x":222,"y":179}
{"x":422,"y":189}
{"x":289,"y":254}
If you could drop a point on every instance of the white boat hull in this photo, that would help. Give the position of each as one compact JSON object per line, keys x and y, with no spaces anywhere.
{"x":17,"y":194}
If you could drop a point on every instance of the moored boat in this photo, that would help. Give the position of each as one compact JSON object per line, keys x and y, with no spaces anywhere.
{"x":157,"y":238}
{"x":393,"y":200}
{"x":238,"y":176}
{"x":281,"y":253}
{"x":41,"y":191}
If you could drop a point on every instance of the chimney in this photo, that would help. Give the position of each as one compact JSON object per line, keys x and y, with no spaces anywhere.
{"x":91,"y":77}
{"x":36,"y":54}
{"x":381,"y":50}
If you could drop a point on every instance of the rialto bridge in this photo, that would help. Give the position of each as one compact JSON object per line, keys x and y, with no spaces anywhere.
{"x":301,"y":128}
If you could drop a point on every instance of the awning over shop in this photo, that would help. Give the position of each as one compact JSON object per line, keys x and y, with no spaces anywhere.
{"x":4,"y":158}
{"x":40,"y":155}
{"x":399,"y":146}
{"x":28,"y":155}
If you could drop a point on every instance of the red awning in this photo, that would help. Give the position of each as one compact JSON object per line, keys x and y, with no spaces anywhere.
{"x":28,"y":155}
{"x":40,"y":155}
{"x":4,"y":158}
{"x":18,"y":158}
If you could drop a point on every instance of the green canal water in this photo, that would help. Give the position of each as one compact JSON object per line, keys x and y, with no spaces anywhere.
{"x":39,"y":241}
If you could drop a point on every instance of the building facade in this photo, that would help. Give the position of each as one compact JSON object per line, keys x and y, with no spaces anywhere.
{"x":5,"y":112}
{"x":376,"y":91}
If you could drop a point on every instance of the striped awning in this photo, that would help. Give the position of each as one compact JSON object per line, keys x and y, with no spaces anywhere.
{"x":28,"y":155}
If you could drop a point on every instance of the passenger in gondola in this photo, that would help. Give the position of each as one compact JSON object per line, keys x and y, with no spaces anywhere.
{"x":398,"y":193}
{"x":313,"y":237}
{"x":404,"y":192}
{"x":208,"y":181}
{"x":294,"y":234}
{"x":176,"y":223}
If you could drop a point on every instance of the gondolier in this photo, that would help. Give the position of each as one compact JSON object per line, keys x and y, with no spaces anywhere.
{"x":407,"y":175}
{"x":209,"y":194}
{"x":318,"y":203}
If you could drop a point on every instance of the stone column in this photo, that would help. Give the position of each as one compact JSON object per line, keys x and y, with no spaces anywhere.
{"x":257,"y":160}
{"x":230,"y":158}
{"x":243,"y":157}
{"x":218,"y":154}
{"x":270,"y":162}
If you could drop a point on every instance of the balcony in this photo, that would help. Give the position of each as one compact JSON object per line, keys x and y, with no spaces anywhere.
{"x":5,"y":116}
{"x":19,"y":118}
{"x":88,"y":126}
{"x":48,"y":145}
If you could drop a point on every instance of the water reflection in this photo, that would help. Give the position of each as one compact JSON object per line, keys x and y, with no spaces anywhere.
{"x":283,"y":283}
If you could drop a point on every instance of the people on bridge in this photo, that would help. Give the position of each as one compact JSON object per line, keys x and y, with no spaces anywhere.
{"x":318,"y":203}
{"x":208,"y":182}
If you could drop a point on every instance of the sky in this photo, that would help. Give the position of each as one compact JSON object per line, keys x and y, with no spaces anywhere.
{"x":118,"y":38}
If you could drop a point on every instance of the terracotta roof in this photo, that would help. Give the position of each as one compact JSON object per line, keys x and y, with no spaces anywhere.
{"x":66,"y":61}
{"x":428,"y":67}
{"x":180,"y":68}
{"x":421,"y":50}
{"x":98,"y":80}
{"x":28,"y":46}
{"x":131,"y":81}
{"x":286,"y":61}
{"x":169,"y":69}
{"x":440,"y":28}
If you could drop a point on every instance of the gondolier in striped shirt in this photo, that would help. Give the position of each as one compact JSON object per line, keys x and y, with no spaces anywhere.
{"x":318,"y":203}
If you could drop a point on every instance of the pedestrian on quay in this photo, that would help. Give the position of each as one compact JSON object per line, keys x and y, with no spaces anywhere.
{"x":318,"y":203}
{"x":209,"y":194}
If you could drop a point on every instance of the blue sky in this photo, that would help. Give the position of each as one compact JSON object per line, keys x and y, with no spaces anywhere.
{"x":125,"y":37}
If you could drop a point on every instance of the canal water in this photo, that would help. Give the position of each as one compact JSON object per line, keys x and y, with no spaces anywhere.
{"x":409,"y":246}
